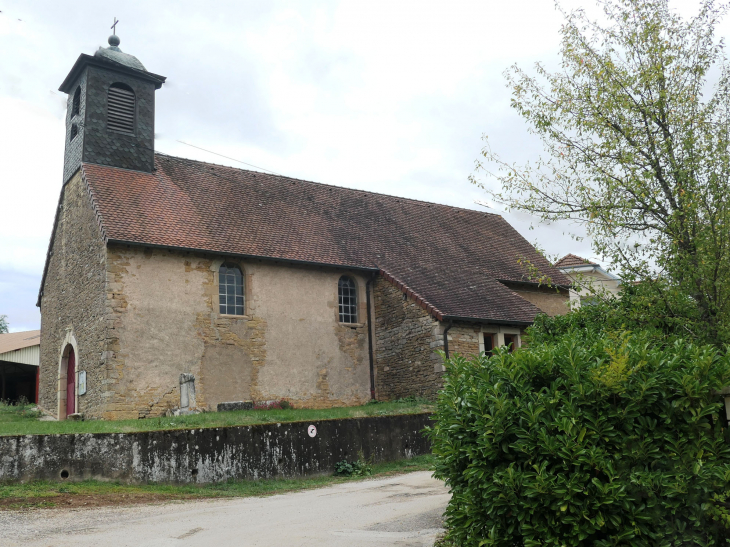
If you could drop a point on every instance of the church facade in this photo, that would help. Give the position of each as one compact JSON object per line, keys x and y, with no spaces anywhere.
{"x":262,"y":287}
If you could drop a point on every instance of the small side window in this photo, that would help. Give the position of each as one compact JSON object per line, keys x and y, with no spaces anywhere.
{"x":76,"y":103}
{"x":489,"y":343}
{"x":347,"y":296}
{"x":74,"y":131}
{"x":510,"y":340}
{"x":230,"y":289}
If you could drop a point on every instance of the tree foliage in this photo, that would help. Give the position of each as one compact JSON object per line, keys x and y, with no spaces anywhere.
{"x":636,"y":141}
{"x":600,"y":442}
{"x":4,"y":327}
{"x":640,"y":309}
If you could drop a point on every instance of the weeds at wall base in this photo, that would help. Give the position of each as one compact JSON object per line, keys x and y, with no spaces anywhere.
{"x":88,"y":494}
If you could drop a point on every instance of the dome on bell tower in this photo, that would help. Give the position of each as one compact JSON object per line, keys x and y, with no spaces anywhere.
{"x":116,"y":55}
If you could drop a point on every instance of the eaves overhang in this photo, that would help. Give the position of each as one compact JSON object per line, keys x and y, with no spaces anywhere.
{"x":487,"y":321}
{"x":533,"y":284}
{"x":588,"y":268}
{"x":243,"y":255}
{"x":85,"y":61}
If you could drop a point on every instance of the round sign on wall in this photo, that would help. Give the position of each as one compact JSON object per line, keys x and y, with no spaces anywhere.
{"x":312,"y":431}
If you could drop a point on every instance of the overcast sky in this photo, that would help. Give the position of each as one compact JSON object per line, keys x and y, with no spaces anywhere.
{"x":388,"y":96}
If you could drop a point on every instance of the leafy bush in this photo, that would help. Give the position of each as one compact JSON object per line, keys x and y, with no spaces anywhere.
{"x":359,"y":468}
{"x":584,"y":441}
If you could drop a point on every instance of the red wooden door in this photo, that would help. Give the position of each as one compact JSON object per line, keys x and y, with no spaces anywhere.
{"x":71,"y":383}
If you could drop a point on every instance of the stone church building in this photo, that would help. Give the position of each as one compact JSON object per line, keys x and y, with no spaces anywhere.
{"x":263,"y":287}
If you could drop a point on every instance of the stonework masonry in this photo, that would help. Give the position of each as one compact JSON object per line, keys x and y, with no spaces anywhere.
{"x":139,"y":316}
{"x":464,"y":339}
{"x":406,"y":340}
{"x":72,"y":304}
{"x":164,"y":321}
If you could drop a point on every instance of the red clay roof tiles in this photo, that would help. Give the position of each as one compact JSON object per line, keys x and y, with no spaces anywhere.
{"x":570,"y":260}
{"x":449,"y":257}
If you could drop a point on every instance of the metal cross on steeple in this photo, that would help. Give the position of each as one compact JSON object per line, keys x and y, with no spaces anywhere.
{"x":114,"y":26}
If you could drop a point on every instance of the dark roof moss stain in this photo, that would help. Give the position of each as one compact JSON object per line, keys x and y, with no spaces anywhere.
{"x":449,"y":258}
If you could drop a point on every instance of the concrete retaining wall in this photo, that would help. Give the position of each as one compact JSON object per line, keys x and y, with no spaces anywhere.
{"x":214,"y":454}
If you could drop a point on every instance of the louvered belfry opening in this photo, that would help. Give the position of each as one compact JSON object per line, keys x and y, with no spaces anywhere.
{"x":121,"y":108}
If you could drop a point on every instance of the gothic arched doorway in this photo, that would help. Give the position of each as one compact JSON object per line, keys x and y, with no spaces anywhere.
{"x":67,"y":381}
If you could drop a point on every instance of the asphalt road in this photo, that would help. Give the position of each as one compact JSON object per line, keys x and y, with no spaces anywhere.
{"x":403,"y":511}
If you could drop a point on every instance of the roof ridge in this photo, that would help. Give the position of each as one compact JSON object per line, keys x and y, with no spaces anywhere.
{"x":381,"y":194}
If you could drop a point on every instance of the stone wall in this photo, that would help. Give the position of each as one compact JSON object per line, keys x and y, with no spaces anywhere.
{"x":72,"y":304}
{"x":406,"y":340}
{"x":464,"y":339}
{"x":213,"y":454}
{"x":163,"y":308}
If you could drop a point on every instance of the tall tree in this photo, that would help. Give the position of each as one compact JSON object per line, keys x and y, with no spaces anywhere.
{"x":636,"y":147}
{"x":4,"y":324}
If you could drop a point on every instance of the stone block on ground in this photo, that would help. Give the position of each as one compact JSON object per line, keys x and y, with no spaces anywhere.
{"x":235,"y":405}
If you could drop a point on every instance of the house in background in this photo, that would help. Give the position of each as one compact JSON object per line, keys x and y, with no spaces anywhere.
{"x":260,"y":286}
{"x":588,"y":278}
{"x":19,"y":365}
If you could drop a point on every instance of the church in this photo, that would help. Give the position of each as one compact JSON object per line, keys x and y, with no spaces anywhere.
{"x":262,"y":287}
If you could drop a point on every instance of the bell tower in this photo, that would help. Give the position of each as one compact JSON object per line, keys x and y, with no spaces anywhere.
{"x":110,"y":119}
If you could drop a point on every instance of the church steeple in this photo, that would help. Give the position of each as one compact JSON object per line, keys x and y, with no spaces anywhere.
{"x":110,"y":118}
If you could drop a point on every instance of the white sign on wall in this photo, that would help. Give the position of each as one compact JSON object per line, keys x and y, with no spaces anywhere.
{"x":82,"y":382}
{"x":312,"y":431}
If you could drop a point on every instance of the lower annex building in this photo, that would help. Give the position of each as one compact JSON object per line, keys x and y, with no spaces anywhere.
{"x":263,"y":287}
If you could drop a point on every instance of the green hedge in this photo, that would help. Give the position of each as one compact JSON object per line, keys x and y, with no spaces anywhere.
{"x":607,"y":441}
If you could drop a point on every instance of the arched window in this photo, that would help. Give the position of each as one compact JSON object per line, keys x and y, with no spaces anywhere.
{"x":230,"y":289}
{"x":76,"y":105}
{"x":347,"y":294}
{"x":121,"y":108}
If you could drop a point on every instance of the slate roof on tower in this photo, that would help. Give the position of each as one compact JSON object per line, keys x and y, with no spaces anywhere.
{"x":451,"y":260}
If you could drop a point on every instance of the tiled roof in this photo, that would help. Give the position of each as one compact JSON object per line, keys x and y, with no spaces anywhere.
{"x":450,"y":258}
{"x":571,"y":260}
{"x":19,"y":340}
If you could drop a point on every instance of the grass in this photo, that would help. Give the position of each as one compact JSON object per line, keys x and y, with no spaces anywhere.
{"x":23,"y":419}
{"x":47,"y":494}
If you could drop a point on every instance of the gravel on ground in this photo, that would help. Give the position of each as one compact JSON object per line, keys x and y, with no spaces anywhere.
{"x":404,"y":511}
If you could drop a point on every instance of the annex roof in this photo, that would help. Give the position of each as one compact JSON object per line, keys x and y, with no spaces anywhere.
{"x":571,"y":260}
{"x":449,"y":258}
{"x":18,"y":340}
